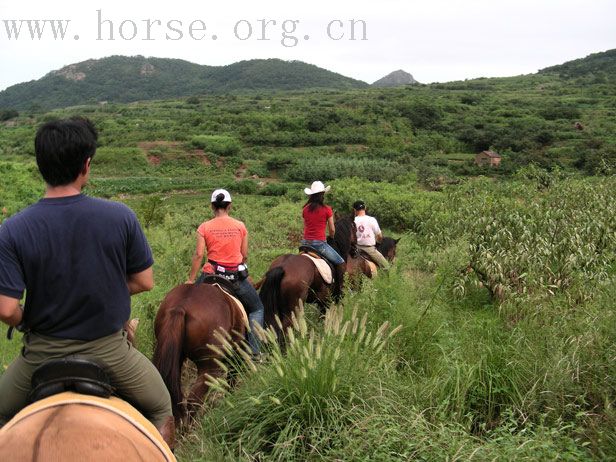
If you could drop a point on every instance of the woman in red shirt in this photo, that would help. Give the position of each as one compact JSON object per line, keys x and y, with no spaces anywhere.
{"x":317,"y":217}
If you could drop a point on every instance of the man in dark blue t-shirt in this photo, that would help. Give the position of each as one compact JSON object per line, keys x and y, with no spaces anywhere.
{"x":79,"y":260}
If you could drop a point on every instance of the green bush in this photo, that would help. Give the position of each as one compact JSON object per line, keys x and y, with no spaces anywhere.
{"x":310,"y":169}
{"x":395,"y":206}
{"x":245,"y":187}
{"x":274,"y":189}
{"x":8,"y":114}
{"x":217,"y":144}
{"x":119,"y":161}
{"x":21,"y":186}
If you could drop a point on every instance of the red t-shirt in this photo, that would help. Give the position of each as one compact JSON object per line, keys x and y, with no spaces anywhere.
{"x":315,"y":222}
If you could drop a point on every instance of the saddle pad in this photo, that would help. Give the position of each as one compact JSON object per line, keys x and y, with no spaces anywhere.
{"x":113,"y":404}
{"x":324,"y":269}
{"x":236,"y":301}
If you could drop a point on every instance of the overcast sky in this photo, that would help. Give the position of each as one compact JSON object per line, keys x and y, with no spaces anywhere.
{"x":435,"y":40}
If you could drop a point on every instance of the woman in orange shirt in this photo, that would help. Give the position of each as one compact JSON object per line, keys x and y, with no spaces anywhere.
{"x":226,"y":241}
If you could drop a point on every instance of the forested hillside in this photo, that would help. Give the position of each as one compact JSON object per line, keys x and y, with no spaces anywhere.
{"x":124,"y":79}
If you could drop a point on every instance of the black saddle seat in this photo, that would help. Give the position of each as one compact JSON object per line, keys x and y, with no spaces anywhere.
{"x":224,"y":283}
{"x":309,"y":249}
{"x":81,"y":374}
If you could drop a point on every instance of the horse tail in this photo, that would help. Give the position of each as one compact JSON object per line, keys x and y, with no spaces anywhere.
{"x":271,"y":295}
{"x":168,"y":355}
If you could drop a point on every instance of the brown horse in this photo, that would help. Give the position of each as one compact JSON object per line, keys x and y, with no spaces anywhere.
{"x":72,"y":427}
{"x":190,"y":318}
{"x":292,"y":278}
{"x":360,"y":264}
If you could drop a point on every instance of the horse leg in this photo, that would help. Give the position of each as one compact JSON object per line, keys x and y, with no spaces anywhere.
{"x":200,"y":387}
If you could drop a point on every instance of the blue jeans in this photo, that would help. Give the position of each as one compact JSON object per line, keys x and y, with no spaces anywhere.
{"x":327,"y":251}
{"x":249,"y":297}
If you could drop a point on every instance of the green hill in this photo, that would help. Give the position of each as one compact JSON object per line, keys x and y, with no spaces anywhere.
{"x":598,"y":64}
{"x":136,"y":78}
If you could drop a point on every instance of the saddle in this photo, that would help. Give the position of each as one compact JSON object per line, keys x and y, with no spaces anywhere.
{"x":325,"y":267}
{"x":228,"y":288}
{"x":362,"y":253}
{"x":371,"y":263}
{"x":81,"y":374}
{"x":225,"y":284}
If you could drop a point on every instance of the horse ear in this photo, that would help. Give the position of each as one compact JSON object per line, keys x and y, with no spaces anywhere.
{"x":398,"y":240}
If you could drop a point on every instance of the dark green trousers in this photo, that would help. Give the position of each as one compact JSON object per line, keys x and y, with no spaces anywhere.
{"x":133,"y":376}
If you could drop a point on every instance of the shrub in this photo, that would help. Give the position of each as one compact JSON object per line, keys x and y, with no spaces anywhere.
{"x":328,"y":168}
{"x":244,"y":187}
{"x":217,"y":144}
{"x":395,"y":206}
{"x":8,"y":114}
{"x":278,"y":162}
{"x":120,"y":161}
{"x":274,"y":189}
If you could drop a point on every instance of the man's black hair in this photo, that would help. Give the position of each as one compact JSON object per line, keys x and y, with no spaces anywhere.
{"x":62,"y":148}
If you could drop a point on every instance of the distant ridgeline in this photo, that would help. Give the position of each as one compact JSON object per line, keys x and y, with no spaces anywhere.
{"x":136,"y":78}
{"x":601,"y":65}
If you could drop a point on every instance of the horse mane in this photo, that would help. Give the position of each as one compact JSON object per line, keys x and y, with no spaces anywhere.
{"x":386,"y":245}
{"x":342,"y":241}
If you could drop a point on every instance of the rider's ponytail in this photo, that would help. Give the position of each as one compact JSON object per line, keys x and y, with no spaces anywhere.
{"x":220,"y":202}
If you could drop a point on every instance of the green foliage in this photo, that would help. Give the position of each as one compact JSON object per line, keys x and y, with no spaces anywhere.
{"x":521,"y":242}
{"x":557,"y":111}
{"x":120,"y":161}
{"x":305,"y":395}
{"x":245,"y":187}
{"x":22,"y":185}
{"x":421,"y":114}
{"x":395,"y":206}
{"x":307,"y":170}
{"x":8,"y":114}
{"x":135,"y":78}
{"x":217,"y":144}
{"x":274,"y":189}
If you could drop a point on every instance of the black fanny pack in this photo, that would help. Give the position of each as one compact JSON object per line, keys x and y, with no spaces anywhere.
{"x":230,"y":273}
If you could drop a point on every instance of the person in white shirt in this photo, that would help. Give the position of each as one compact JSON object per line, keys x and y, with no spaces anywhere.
{"x":368,"y":234}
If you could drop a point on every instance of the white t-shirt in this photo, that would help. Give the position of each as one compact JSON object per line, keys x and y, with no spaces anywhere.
{"x":367,"y":229}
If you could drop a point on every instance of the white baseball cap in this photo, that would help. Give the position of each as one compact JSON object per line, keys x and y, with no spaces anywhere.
{"x":316,"y":187}
{"x":224,"y":192}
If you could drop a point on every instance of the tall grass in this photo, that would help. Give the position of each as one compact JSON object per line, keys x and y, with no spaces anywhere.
{"x":294,"y":406}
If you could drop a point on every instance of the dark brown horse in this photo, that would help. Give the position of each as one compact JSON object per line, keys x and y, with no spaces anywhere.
{"x":360,"y":264}
{"x":387,"y":247}
{"x":190,"y":318}
{"x":293,"y":277}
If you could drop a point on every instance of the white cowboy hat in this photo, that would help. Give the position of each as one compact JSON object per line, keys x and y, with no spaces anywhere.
{"x":316,"y":187}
